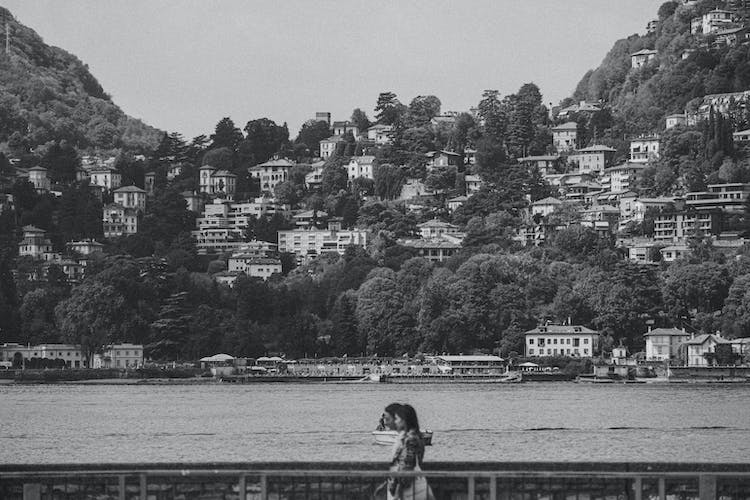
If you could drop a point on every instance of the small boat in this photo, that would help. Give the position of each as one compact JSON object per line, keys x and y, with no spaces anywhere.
{"x":389,"y":437}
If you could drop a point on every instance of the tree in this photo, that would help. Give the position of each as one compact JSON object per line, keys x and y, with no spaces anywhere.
{"x":421,"y":110}
{"x":61,"y":160}
{"x":263,"y":139}
{"x":360,"y":120}
{"x":310,"y":135}
{"x":388,"y":110}
{"x":494,"y":115}
{"x":388,"y":181}
{"x":334,"y":177}
{"x":226,"y":135}
{"x":167,"y":216}
{"x":91,"y":317}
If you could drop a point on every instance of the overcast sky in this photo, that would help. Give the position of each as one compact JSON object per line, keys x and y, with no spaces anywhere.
{"x":182,"y":65}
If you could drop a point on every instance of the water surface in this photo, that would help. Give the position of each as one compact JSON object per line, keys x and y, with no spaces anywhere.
{"x":281,"y":422}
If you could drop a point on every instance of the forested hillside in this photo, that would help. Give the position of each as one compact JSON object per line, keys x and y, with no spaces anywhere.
{"x":47,"y":94}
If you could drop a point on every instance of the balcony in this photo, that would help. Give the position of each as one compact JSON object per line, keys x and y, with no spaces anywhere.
{"x":357,"y":480}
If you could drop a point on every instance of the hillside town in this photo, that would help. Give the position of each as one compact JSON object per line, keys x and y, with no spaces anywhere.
{"x":343,"y":240}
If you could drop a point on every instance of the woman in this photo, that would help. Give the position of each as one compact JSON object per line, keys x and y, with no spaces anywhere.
{"x":408,"y":454}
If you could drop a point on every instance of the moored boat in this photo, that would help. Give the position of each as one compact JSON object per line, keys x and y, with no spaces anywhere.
{"x":389,"y":437}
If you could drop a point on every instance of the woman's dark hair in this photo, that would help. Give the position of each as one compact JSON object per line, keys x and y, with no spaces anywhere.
{"x":409,"y":415}
{"x":392,"y":408}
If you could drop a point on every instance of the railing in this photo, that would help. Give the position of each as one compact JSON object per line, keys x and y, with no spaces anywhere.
{"x":331,"y":481}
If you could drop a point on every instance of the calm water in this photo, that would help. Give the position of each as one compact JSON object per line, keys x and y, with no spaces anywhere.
{"x":539,"y":422}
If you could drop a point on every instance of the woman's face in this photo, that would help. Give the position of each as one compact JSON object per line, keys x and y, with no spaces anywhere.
{"x":400,"y":424}
{"x":388,"y":420}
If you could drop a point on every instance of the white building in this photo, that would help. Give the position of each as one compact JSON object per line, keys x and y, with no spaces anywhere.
{"x":361,"y":166}
{"x":254,"y":266}
{"x":545,"y":206}
{"x":644,"y":149}
{"x":272,"y":173}
{"x":120,"y":356}
{"x":35,"y":244}
{"x":217,"y":182}
{"x":119,"y":221}
{"x":473,"y":184}
{"x":561,"y":340}
{"x":675,"y":120}
{"x":380,"y":134}
{"x":328,"y":146}
{"x":700,"y":346}
{"x":622,"y":176}
{"x":642,"y":58}
{"x":106,"y":177}
{"x":84,"y":247}
{"x":38,"y":177}
{"x":564,"y":137}
{"x":436,"y":228}
{"x":31,"y":355}
{"x":663,"y":344}
{"x":131,"y":197}
{"x":305,"y":243}
{"x":593,"y":159}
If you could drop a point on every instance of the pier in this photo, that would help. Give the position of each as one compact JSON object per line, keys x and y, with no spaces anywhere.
{"x":360,"y":480}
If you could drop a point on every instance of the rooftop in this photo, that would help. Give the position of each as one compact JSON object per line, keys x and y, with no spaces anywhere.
{"x":129,"y":189}
{"x":561,"y":329}
{"x":596,"y":148}
{"x":666,"y":331}
{"x":566,"y":126}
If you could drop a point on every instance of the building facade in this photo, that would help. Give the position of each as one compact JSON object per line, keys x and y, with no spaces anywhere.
{"x":561,"y":340}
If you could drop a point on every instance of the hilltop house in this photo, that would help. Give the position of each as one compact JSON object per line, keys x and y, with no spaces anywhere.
{"x":106,"y":177}
{"x":561,"y":340}
{"x":620,"y":177}
{"x":131,"y":197}
{"x":642,"y":58}
{"x":380,"y":134}
{"x":442,"y":159}
{"x":35,"y":244}
{"x":328,"y":146}
{"x":546,"y":164}
{"x":675,"y":120}
{"x":545,"y":206}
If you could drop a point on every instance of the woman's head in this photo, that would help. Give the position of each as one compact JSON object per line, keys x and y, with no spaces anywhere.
{"x":389,"y":416}
{"x":406,"y":418}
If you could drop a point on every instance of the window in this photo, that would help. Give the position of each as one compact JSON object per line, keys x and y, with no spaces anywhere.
{"x":567,"y":341}
{"x":585,"y":341}
{"x":531,"y":352}
{"x":585,"y":351}
{"x":531,"y":341}
{"x":554,"y":341}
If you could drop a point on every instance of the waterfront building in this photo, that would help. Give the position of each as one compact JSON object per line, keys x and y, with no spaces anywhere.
{"x":698,"y":347}
{"x":663,"y":344}
{"x":470,"y":364}
{"x":124,"y":355}
{"x":564,"y":137}
{"x":561,"y":340}
{"x":39,"y":356}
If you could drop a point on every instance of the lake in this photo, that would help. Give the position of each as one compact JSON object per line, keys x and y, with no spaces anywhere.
{"x":284,"y":422}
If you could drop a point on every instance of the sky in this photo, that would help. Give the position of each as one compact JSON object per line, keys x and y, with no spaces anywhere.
{"x":182,"y":65}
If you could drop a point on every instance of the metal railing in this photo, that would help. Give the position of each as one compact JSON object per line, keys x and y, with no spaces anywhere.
{"x":332,"y":481}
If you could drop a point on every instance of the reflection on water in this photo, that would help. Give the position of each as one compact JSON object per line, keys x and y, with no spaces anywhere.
{"x":536,"y":421}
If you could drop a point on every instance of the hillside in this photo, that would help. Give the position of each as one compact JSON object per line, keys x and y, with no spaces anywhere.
{"x":687,"y":66}
{"x":48,"y":94}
